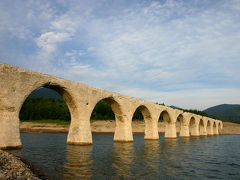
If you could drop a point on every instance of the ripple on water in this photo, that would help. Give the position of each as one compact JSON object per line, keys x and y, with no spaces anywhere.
{"x":188,"y":158}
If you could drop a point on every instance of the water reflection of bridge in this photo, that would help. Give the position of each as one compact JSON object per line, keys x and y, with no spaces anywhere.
{"x":16,"y":84}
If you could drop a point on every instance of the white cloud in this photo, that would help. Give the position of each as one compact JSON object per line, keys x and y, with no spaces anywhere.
{"x":49,"y":40}
{"x":189,"y":99}
{"x":183,"y":46}
{"x":64,"y":23}
{"x":151,"y":49}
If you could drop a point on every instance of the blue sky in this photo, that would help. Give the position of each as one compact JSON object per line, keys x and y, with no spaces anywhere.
{"x":182,"y":53}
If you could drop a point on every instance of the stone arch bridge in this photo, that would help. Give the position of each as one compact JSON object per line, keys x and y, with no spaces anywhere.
{"x":17,"y":84}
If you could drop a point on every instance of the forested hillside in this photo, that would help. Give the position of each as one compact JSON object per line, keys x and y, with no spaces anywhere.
{"x":49,"y":108}
{"x":225,"y":112}
{"x":44,"y":108}
{"x":194,"y":111}
{"x":45,"y":103}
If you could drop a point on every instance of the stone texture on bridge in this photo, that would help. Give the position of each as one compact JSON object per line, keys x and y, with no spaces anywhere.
{"x":17,"y":84}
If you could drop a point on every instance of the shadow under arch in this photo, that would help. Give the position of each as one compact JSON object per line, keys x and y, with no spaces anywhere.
{"x":58,"y":88}
{"x":179,"y":123}
{"x":219,"y":126}
{"x":192,"y":126}
{"x":201,"y":128}
{"x":215,"y":130}
{"x":143,"y":113}
{"x":61,"y":90}
{"x":209,"y":128}
{"x":164,"y":117}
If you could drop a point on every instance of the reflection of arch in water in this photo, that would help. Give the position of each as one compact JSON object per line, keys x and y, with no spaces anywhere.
{"x":170,"y":144}
{"x":123,"y":159}
{"x":151,"y":157}
{"x":78,"y":163}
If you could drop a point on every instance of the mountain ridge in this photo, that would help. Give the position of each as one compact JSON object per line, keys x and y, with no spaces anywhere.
{"x":225,"y":112}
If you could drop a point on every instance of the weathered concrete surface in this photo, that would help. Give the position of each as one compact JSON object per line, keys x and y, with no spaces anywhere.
{"x":17,"y":84}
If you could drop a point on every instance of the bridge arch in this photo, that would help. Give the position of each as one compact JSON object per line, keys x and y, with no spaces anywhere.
{"x":20,"y":92}
{"x":193,"y":126}
{"x":165,"y":116}
{"x":123,"y":126}
{"x":61,"y":89}
{"x":170,"y":124}
{"x":219,"y":126}
{"x":57,"y":87}
{"x":151,"y":129}
{"x":115,"y":107}
{"x":209,"y":127}
{"x":180,"y":123}
{"x":145,"y":112}
{"x":114,"y":104}
{"x":202,"y":128}
{"x":215,"y":128}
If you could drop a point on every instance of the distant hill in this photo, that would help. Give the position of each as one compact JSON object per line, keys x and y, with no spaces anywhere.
{"x":46,"y":93}
{"x":194,"y":111}
{"x":174,"y":107}
{"x":225,"y":112}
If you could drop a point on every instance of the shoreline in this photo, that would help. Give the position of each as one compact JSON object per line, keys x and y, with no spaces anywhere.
{"x":108,"y":127}
{"x":34,"y":169}
{"x":14,"y":167}
{"x":93,"y":132}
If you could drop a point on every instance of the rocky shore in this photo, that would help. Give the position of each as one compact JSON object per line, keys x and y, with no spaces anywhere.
{"x":11,"y":167}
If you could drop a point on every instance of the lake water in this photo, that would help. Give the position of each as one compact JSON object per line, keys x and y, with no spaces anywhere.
{"x":216,"y":157}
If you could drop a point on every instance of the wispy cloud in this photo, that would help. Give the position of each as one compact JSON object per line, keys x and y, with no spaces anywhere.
{"x":147,"y":49}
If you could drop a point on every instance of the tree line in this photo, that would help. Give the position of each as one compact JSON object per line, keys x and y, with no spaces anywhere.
{"x":49,"y":108}
{"x":194,"y":111}
{"x":44,"y":108}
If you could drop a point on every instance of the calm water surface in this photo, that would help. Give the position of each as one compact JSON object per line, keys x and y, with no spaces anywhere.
{"x":216,"y":157}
